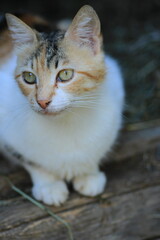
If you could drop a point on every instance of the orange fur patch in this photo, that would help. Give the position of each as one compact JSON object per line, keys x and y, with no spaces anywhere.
{"x":6,"y":46}
{"x":80,"y":86}
{"x":17,"y":76}
{"x":88,"y":75}
{"x":31,"y":20}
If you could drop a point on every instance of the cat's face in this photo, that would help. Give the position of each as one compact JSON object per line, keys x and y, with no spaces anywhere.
{"x":61,"y":70}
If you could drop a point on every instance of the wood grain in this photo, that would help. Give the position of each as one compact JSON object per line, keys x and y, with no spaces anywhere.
{"x":131,"y":143}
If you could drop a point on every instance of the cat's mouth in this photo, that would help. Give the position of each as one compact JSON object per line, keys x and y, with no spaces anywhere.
{"x":50,"y":113}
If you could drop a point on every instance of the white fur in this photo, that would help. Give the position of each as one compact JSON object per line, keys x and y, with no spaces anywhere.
{"x":90,"y":185}
{"x":47,"y":188}
{"x":68,"y":146}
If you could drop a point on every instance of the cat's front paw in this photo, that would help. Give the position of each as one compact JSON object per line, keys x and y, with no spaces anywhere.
{"x":54,"y":193}
{"x":90,"y":185}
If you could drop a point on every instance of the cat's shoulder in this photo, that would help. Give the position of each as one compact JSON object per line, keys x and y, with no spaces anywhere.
{"x":114,"y":76}
{"x":112,"y":65}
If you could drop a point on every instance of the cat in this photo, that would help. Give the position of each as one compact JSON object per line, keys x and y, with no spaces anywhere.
{"x":61,"y":103}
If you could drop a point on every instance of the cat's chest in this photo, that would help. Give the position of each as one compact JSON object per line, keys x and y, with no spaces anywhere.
{"x":59,"y":148}
{"x":46,"y":139}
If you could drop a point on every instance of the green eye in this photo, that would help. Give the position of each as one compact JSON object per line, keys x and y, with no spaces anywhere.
{"x":65,"y":75}
{"x":29,"y":77}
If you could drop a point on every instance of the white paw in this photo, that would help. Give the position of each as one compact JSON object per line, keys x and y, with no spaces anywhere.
{"x":53,"y":193}
{"x":90,"y":185}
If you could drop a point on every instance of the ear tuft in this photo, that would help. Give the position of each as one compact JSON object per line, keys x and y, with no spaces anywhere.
{"x":85,"y":29}
{"x":20,"y":32}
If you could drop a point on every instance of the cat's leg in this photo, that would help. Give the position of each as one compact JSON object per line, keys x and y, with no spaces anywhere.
{"x":91,"y":184}
{"x":47,"y":188}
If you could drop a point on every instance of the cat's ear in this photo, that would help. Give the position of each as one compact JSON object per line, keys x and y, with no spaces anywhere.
{"x":85,"y":29}
{"x":21,"y":33}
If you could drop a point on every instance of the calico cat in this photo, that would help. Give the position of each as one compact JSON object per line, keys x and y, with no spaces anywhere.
{"x":61,"y":102}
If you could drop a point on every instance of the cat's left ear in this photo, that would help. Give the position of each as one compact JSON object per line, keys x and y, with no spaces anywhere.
{"x":85,"y":29}
{"x":21,"y":33}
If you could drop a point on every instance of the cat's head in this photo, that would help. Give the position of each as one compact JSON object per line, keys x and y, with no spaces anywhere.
{"x":62,"y":69}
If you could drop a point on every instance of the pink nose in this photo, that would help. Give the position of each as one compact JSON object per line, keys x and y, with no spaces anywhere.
{"x":43,"y":103}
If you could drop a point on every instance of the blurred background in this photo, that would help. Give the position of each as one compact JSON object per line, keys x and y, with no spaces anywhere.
{"x":131,"y":31}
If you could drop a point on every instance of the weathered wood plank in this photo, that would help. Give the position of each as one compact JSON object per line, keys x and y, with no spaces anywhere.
{"x":127,"y":216}
{"x":136,"y":179}
{"x":131,"y":143}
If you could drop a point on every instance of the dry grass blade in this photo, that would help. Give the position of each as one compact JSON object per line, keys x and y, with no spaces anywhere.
{"x":41,"y":206}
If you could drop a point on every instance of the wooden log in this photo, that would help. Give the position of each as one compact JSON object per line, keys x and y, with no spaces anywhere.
{"x":129,"y":209}
{"x":131,"y":143}
{"x":129,"y":216}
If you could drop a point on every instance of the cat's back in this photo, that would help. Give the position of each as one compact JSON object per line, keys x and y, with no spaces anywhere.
{"x":114,"y":79}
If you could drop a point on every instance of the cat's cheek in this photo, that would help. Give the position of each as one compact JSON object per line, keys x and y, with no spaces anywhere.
{"x":31,"y":98}
{"x":26,"y":90}
{"x":81,"y":86}
{"x":60,"y":101}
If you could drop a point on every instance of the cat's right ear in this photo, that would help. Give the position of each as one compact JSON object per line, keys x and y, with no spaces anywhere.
{"x":21,"y":33}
